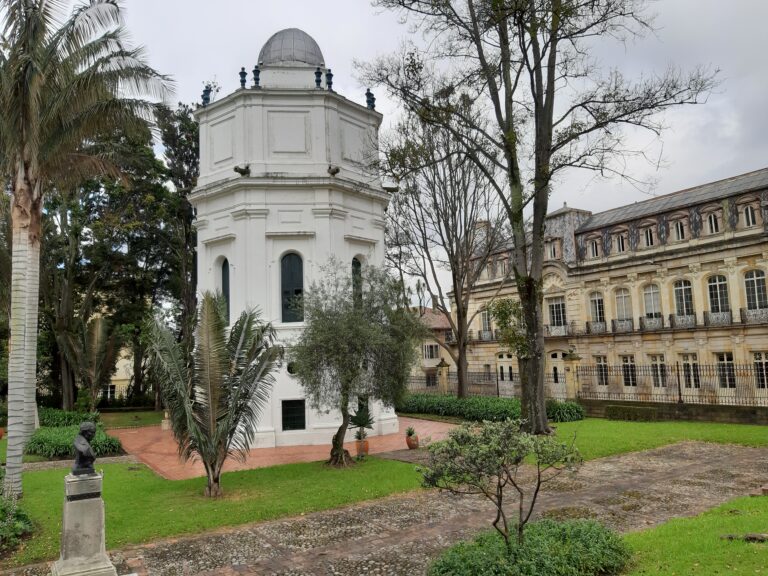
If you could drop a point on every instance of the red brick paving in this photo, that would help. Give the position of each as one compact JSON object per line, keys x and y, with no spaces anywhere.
{"x":157,"y":449}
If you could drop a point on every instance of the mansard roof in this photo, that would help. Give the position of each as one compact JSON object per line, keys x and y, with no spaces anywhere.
{"x":676,"y":200}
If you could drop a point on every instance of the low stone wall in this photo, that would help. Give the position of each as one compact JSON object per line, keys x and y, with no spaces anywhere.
{"x":693,"y":412}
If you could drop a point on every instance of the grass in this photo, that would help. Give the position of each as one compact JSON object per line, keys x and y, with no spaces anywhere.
{"x":131,"y":419}
{"x":142,"y":506}
{"x":25,"y":458}
{"x":693,"y":547}
{"x":597,"y":438}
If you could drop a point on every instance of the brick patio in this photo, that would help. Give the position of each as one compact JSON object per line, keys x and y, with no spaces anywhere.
{"x":157,"y":449}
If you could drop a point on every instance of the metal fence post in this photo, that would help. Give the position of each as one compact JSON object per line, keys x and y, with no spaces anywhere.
{"x":679,"y":388}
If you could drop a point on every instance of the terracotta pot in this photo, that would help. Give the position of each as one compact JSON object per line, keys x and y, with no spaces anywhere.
{"x":362,"y":447}
{"x":412,"y":441}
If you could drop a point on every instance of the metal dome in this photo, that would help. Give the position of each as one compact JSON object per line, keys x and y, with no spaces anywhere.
{"x":291,"y":47}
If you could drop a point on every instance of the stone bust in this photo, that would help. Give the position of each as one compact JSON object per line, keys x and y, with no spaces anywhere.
{"x":84,"y":456}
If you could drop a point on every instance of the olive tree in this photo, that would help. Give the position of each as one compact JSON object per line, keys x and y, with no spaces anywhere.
{"x":359,"y":342}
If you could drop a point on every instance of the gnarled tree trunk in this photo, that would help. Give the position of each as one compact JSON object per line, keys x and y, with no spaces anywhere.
{"x":339,"y":455}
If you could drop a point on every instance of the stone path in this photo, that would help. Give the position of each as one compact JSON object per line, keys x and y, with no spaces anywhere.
{"x":400,"y":535}
{"x":157,"y":449}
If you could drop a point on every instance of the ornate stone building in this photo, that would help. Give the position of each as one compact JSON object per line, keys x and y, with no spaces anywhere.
{"x":661,"y":299}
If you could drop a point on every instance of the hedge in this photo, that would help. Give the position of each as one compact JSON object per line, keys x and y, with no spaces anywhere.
{"x":569,"y":548}
{"x":56,"y":418}
{"x":633,"y":413}
{"x":477,"y":408}
{"x":55,"y":443}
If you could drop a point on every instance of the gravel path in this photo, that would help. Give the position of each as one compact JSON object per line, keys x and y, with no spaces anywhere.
{"x":400,"y":535}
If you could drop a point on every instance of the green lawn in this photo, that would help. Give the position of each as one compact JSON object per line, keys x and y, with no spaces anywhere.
{"x":25,"y":458}
{"x":131,"y":419}
{"x":596,"y":438}
{"x":141,"y":506}
{"x":692,"y":546}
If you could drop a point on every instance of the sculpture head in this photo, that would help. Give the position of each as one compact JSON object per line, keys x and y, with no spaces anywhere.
{"x":88,"y":430}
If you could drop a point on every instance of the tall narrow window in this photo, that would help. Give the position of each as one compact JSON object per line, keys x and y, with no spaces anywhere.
{"x":357,"y":282}
{"x":557,"y":311}
{"x":714,"y":223}
{"x":601,"y":366}
{"x":652,"y":301}
{"x":718,"y":294}
{"x":485,"y":321}
{"x":754,"y":282}
{"x":621,"y":243}
{"x":690,"y":364}
{"x":553,"y":250}
{"x":225,"y":285}
{"x":623,"y":304}
{"x":292,"y":287}
{"x":726,"y":371}
{"x":629,"y":370}
{"x":594,"y":249}
{"x":761,"y":369}
{"x":750,"y":218}
{"x":648,"y":237}
{"x":683,"y":298}
{"x":596,"y":307}
{"x":658,"y":370}
{"x":679,"y":230}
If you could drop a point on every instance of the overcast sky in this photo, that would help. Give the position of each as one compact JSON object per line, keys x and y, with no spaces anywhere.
{"x":194,"y":41}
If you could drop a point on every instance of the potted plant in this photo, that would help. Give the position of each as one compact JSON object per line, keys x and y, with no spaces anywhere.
{"x":411,"y":438}
{"x":361,"y":420}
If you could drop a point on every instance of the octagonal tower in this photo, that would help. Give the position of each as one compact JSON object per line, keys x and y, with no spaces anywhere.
{"x":285,"y":184}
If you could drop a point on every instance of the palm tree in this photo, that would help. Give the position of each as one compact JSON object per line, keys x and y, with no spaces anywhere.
{"x":215,"y":404}
{"x":63,"y":81}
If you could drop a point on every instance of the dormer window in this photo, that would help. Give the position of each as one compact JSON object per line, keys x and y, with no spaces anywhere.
{"x":679,"y":230}
{"x":621,"y":243}
{"x":713,"y":223}
{"x":648,"y":233}
{"x":750,"y":217}
{"x":552,"y":250}
{"x":594,"y":249}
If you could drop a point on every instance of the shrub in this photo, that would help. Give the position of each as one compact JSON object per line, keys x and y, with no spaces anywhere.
{"x":565,"y":411}
{"x":634,"y":413}
{"x":14,"y":523}
{"x":570,"y":548}
{"x":55,"y":443}
{"x":475,"y":408}
{"x":3,"y":413}
{"x":56,"y":418}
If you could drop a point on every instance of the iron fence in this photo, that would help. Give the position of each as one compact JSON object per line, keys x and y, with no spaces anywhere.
{"x":488,"y":384}
{"x":723,"y":383}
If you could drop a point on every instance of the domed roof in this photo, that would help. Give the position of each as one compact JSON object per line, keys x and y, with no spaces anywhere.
{"x":291,"y":46}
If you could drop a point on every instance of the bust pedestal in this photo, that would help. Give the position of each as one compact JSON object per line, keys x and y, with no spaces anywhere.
{"x":82,"y":536}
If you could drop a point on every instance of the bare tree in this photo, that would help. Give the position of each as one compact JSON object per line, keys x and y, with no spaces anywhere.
{"x":445,"y":220}
{"x":528,"y":65}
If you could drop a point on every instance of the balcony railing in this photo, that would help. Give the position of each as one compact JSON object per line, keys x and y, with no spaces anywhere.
{"x":485,"y":335}
{"x":619,"y":326}
{"x":685,"y":321}
{"x":718,"y":318}
{"x":596,"y":327}
{"x":759,"y":316}
{"x":651,"y":323}
{"x":563,"y":330}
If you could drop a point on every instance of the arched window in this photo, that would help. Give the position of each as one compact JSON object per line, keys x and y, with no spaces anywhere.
{"x":292,"y":287}
{"x":225,"y":285}
{"x":718,"y":294}
{"x":652,"y":301}
{"x":754,"y":282}
{"x":683,"y":298}
{"x":357,"y":282}
{"x":623,"y":304}
{"x":597,"y":307}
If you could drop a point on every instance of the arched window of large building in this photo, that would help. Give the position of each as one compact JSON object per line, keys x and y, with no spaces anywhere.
{"x":623,"y":304}
{"x":683,"y":298}
{"x":754,"y":282}
{"x":718,"y":294}
{"x":292,"y":287}
{"x":652,"y":301}
{"x":597,"y":307}
{"x":357,"y":281}
{"x":225,"y":285}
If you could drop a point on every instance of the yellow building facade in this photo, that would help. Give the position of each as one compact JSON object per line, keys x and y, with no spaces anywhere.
{"x":663,"y":299}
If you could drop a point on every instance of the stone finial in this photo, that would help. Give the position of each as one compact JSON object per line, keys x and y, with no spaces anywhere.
{"x":256,"y":76}
{"x":243,"y":76}
{"x":329,"y":80}
{"x":370,"y":99}
{"x":207,"y":94}
{"x":318,"y":77}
